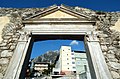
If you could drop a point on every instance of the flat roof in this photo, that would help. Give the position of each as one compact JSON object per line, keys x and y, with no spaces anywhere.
{"x":78,"y":51}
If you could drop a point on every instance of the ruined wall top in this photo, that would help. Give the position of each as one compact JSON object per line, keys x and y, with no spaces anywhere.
{"x":24,"y":13}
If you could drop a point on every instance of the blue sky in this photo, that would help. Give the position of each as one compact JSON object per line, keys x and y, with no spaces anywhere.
{"x":103,"y":5}
{"x":41,"y":47}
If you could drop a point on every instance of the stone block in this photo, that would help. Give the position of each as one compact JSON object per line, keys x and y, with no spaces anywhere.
{"x":102,"y":39}
{"x":5,"y":41}
{"x":104,"y":48}
{"x":18,"y":34}
{"x":6,"y":37}
{"x":9,"y":34}
{"x":15,"y":38}
{"x":3,"y":48}
{"x":10,"y":44}
{"x":117,"y":53}
{"x":113,"y":60}
{"x":12,"y":47}
{"x":6,"y":53}
{"x":4,"y":67}
{"x":10,"y":40}
{"x":112,"y":69}
{"x":4,"y":61}
{"x":115,"y":42}
{"x":110,"y":56}
{"x":104,"y":35}
{"x":3,"y":44}
{"x":99,"y":32}
{"x":111,"y":48}
{"x":14,"y":44}
{"x":111,"y":52}
{"x":115,"y":75}
{"x":1,"y":76}
{"x":105,"y":53}
{"x":104,"y":43}
{"x":115,"y":65}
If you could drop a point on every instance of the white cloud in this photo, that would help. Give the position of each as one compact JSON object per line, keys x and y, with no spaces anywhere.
{"x":74,"y":42}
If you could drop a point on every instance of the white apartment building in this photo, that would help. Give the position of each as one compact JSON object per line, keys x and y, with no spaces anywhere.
{"x":67,"y":60}
{"x":72,"y":62}
{"x":82,"y":68}
{"x":40,"y":66}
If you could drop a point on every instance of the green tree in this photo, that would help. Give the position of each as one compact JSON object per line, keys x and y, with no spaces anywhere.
{"x":45,"y":72}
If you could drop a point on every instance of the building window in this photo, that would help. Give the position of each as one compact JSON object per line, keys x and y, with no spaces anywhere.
{"x":67,"y":58}
{"x":68,"y":68}
{"x":63,"y":50}
{"x":73,"y":62}
{"x":78,"y":63}
{"x":67,"y":63}
{"x":74,"y":71}
{"x":67,"y":54}
{"x":72,"y":53}
{"x":73,"y":67}
{"x":73,"y":58}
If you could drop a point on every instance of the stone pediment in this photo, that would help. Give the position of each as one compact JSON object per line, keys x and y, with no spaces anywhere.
{"x":58,"y":13}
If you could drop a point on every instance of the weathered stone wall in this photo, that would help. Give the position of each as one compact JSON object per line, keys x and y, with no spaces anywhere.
{"x":116,"y":27}
{"x":107,"y":30}
{"x":9,"y":38}
{"x":10,"y":29}
{"x":110,"y":47}
{"x":110,"y":41}
{"x":3,"y":21}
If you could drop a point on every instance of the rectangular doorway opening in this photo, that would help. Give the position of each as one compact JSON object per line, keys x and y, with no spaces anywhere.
{"x":57,"y":56}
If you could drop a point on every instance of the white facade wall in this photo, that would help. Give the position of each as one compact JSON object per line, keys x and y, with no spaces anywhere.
{"x":67,"y":63}
{"x":41,"y":67}
{"x":82,"y":68}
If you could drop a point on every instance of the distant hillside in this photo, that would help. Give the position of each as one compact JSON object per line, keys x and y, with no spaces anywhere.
{"x":47,"y":57}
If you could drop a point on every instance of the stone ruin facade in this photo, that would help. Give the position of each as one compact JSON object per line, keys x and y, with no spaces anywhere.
{"x":107,"y":31}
